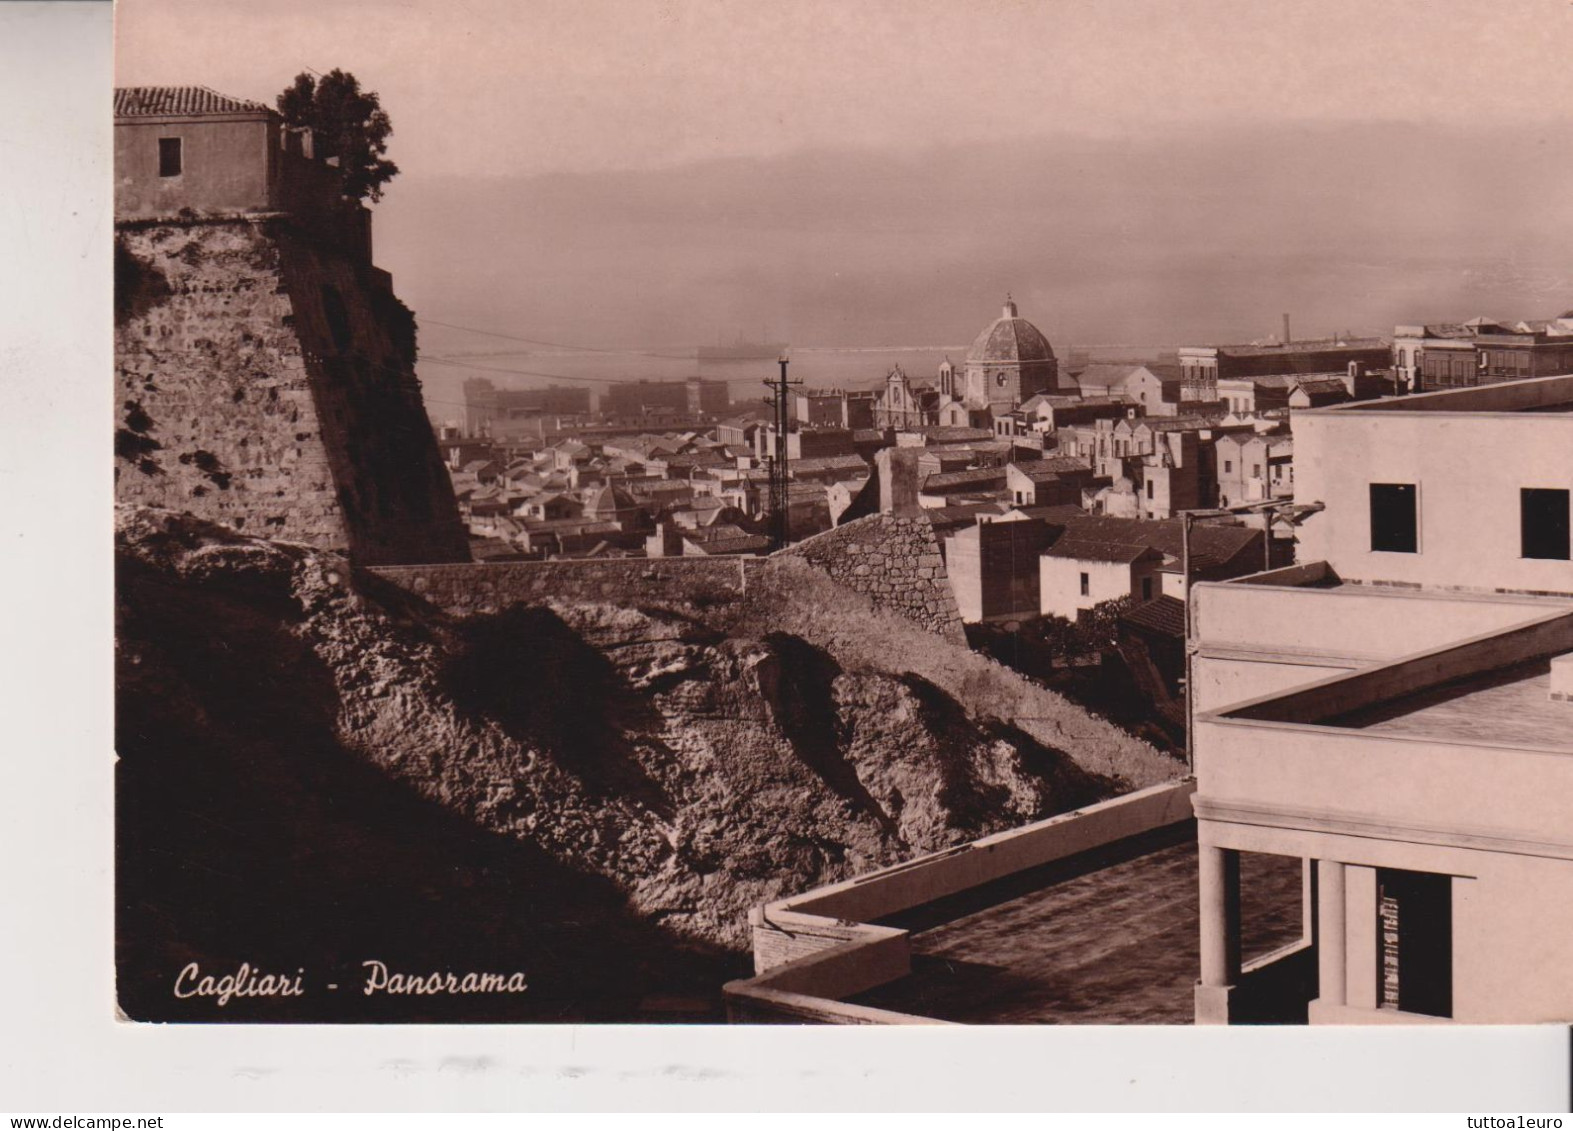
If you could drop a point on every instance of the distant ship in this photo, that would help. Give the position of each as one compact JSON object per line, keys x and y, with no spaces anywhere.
{"x":743,"y":351}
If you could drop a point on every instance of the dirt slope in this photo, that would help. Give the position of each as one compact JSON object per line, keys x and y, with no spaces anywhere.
{"x":318,"y":769}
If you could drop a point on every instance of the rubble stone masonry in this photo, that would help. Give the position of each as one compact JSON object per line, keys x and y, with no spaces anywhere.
{"x":490,"y":587}
{"x":895,"y":561}
{"x":265,"y":380}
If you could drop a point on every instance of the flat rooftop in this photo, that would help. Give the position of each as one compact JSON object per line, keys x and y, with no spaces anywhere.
{"x":1527,"y":395}
{"x":1106,"y":937}
{"x":1507,"y":706}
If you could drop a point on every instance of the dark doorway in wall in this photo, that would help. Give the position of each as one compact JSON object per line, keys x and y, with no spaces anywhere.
{"x":338,"y":317}
{"x":1415,"y":941}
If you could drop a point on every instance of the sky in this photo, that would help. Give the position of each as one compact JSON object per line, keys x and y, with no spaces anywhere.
{"x":531,"y":86}
{"x":880,"y":172}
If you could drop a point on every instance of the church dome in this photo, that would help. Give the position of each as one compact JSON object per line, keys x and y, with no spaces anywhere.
{"x":1010,"y":340}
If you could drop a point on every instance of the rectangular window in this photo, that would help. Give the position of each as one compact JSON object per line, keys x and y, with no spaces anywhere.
{"x":1146,"y":589}
{"x":1394,"y":519}
{"x":169,"y":157}
{"x":1149,"y":488}
{"x":1543,"y":523}
{"x":1228,"y":465}
{"x":1086,"y":585}
{"x":1415,"y":941}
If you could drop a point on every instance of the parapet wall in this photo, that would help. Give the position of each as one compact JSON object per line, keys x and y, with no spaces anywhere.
{"x":266,"y":381}
{"x":893,"y":560}
{"x":812,"y":949}
{"x":485,"y":588}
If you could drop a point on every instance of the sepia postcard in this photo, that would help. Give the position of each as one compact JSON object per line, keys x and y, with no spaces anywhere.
{"x":877,"y":514}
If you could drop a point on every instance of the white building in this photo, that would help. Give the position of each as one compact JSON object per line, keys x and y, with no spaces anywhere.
{"x":1387,"y":712}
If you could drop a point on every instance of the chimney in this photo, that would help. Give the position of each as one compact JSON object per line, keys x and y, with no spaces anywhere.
{"x":898,"y":481}
{"x":1287,"y":338}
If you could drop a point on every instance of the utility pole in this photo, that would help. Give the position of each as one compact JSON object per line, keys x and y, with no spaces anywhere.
{"x":780,"y":504}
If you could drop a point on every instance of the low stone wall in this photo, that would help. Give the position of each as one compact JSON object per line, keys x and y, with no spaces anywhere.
{"x":895,"y":561}
{"x":814,"y":948}
{"x":490,"y":587}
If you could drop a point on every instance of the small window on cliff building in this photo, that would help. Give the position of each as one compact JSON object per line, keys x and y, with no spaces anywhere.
{"x":169,"y":157}
{"x":337,"y":316}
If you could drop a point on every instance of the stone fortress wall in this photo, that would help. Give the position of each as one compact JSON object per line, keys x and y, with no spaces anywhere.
{"x":265,"y":380}
{"x":894,"y":560}
{"x":891,"y":557}
{"x":490,"y":587}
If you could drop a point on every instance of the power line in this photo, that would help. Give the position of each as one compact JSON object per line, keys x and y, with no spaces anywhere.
{"x":523,"y":372}
{"x":557,"y":345}
{"x":780,"y":489}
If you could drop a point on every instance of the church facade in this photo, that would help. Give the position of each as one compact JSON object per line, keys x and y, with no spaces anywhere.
{"x":1009,"y":362}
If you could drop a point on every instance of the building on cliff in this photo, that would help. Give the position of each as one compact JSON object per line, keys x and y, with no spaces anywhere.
{"x":1393,"y":712}
{"x":265,"y":368}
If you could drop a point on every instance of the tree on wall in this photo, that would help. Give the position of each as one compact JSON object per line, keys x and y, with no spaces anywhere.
{"x":347,"y":123}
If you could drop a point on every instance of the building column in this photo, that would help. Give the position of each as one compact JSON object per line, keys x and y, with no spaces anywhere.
{"x":1332,"y":955}
{"x":1218,"y":870}
{"x":1361,"y":989}
{"x":1308,"y":900}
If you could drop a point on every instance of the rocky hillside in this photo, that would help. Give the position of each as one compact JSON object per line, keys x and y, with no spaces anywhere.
{"x":317,"y":769}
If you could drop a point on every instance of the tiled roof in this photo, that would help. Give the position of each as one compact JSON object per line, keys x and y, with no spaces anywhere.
{"x":853,"y":463}
{"x":695,"y":459}
{"x":806,"y":491}
{"x":1163,"y":614}
{"x":574,"y":525}
{"x":1318,"y":384}
{"x":962,"y":514}
{"x":951,"y":433}
{"x":1051,"y":468}
{"x":1218,"y":543}
{"x":1057,"y":512}
{"x":1179,"y":423}
{"x":159,"y":101}
{"x":609,"y":498}
{"x":716,"y":532}
{"x":976,"y":477}
{"x":742,"y":544}
{"x":1010,"y":341}
{"x":1086,"y":550}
